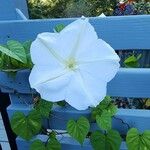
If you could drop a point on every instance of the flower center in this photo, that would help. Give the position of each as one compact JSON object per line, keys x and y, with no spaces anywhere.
{"x":71,"y":64}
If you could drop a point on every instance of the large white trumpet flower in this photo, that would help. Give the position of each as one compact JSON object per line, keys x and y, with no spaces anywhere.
{"x":73,"y":65}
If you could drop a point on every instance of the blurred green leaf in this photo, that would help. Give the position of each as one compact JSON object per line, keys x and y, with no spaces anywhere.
{"x":137,"y":141}
{"x":17,"y":50}
{"x":109,"y":141}
{"x":104,"y":121}
{"x":37,"y":145}
{"x":132,"y":61}
{"x":26,"y":126}
{"x":43,"y":107}
{"x":53,"y":144}
{"x":78,"y":129}
{"x":59,"y":27}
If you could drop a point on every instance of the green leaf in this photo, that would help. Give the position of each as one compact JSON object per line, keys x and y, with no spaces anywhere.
{"x":52,"y":134}
{"x":37,"y":145}
{"x":27,"y":46}
{"x":59,"y":27}
{"x":26,"y":126}
{"x":99,"y":108}
{"x":105,"y":105}
{"x":1,"y":63}
{"x":61,"y":103}
{"x":9,"y":53}
{"x":137,"y":141}
{"x":17,"y":50}
{"x":132,"y":61}
{"x":109,"y":141}
{"x":78,"y":129}
{"x":53,"y":144}
{"x":44,"y":107}
{"x":98,"y":140}
{"x":104,"y":121}
{"x":112,"y":109}
{"x":113,"y":140}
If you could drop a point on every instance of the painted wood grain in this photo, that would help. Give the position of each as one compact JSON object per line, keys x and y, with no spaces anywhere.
{"x":127,"y":83}
{"x":8,"y":10}
{"x":122,"y":32}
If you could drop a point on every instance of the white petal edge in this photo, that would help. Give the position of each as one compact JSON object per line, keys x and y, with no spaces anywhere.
{"x":42,"y":74}
{"x":40,"y":54}
{"x":76,"y":94}
{"x":54,"y":90}
{"x":99,"y":50}
{"x":104,"y":70}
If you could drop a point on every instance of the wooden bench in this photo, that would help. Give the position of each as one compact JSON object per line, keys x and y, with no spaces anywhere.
{"x":122,"y":33}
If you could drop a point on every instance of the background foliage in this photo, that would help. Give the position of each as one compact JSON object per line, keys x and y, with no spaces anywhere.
{"x":76,"y":8}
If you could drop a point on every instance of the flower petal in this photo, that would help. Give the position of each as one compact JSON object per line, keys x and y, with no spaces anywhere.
{"x":96,"y":88}
{"x":76,"y":94}
{"x":41,"y":54}
{"x":103,"y":69}
{"x":76,"y":36}
{"x":99,"y":50}
{"x":50,"y":85}
{"x":42,"y":74}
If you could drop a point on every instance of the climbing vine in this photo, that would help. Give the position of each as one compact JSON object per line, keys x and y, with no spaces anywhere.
{"x":15,"y":56}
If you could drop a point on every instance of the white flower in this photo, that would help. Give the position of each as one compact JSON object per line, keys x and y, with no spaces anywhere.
{"x":73,"y":65}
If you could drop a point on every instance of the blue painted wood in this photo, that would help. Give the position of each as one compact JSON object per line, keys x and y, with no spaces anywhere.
{"x":122,"y":33}
{"x":20,"y":15}
{"x":25,"y":99}
{"x":127,"y":32}
{"x":66,"y":142}
{"x":127,"y":83}
{"x":22,"y":6}
{"x":18,"y":84}
{"x":59,"y":117}
{"x":8,"y":9}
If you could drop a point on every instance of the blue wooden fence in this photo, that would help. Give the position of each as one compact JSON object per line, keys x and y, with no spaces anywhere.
{"x":13,"y":10}
{"x":10,"y":10}
{"x":127,"y":32}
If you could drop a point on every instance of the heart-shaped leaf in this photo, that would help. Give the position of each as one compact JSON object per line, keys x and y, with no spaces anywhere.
{"x":105,"y":105}
{"x":37,"y":145}
{"x":98,"y":140}
{"x":53,"y":144}
{"x":26,"y":126}
{"x":137,"y":141}
{"x":17,"y":51}
{"x":104,"y":121}
{"x":78,"y":129}
{"x":109,"y":141}
{"x":44,"y":107}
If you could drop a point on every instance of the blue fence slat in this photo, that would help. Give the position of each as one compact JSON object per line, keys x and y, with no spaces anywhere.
{"x":18,"y":84}
{"x":9,"y":10}
{"x":130,"y":83}
{"x":127,"y":32}
{"x":58,"y":119}
{"x":66,"y":142}
{"x":17,"y":98}
{"x":22,"y":5}
{"x":127,"y":83}
{"x":122,"y":33}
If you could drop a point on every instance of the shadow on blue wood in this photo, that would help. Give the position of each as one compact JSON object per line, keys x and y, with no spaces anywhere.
{"x":134,"y":33}
{"x":13,"y":10}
